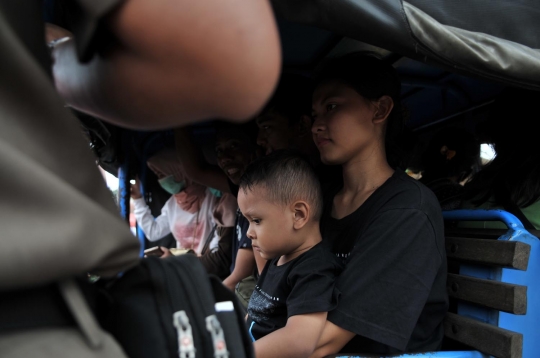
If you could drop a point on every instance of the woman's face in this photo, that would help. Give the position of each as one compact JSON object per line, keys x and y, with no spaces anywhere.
{"x":343,"y":123}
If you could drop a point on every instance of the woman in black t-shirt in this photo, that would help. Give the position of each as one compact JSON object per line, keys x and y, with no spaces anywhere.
{"x":385,"y":226}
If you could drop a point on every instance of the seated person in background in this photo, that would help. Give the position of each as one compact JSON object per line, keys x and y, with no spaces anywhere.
{"x":235,"y":148}
{"x":386,"y":227}
{"x":285,"y":123}
{"x":281,"y":197}
{"x":189,"y":214}
{"x":451,"y":157}
{"x":511,"y":181}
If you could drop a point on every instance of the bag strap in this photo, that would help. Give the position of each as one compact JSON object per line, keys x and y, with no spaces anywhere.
{"x":208,"y":240}
{"x":78,"y":306}
{"x":33,"y":308}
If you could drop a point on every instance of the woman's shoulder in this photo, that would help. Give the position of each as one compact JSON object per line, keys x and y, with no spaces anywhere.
{"x":402,"y":184}
{"x":403,"y":191}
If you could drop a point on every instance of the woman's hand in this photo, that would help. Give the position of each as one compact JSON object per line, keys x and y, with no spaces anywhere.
{"x":166,"y":252}
{"x":135,"y":190}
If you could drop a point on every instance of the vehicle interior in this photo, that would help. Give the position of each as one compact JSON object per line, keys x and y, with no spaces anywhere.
{"x":438,"y":93}
{"x":434,"y":97}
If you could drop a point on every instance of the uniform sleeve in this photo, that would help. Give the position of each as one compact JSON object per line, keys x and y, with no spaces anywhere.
{"x":313,"y":287}
{"x":388,"y":277}
{"x":154,"y":229}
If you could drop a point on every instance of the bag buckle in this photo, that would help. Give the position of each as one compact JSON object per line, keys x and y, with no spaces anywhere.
{"x":186,"y":347}
{"x":218,"y":338}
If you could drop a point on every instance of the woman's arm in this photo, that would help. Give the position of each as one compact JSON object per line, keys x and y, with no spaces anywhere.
{"x":194,"y":164}
{"x":174,"y":62}
{"x":154,"y":229}
{"x":332,"y":339}
{"x":297,"y":339}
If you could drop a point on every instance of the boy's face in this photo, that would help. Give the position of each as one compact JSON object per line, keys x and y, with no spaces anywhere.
{"x":270,"y":225}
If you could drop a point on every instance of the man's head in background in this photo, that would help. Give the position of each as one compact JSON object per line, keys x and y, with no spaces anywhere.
{"x":285,"y":122}
{"x":236,"y":147}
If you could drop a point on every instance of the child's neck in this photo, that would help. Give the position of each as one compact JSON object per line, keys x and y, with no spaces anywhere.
{"x":312,"y":236}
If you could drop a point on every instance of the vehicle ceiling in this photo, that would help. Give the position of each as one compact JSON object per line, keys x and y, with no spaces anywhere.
{"x":432,"y":94}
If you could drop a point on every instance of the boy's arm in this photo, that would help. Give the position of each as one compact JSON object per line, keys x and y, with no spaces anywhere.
{"x":176,"y":62}
{"x":195,"y":166}
{"x":243,"y":267}
{"x":332,"y":339}
{"x":297,"y":339}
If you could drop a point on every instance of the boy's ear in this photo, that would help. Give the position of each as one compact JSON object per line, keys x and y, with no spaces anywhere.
{"x":301,"y":211}
{"x":304,"y":126}
{"x":383,"y":108}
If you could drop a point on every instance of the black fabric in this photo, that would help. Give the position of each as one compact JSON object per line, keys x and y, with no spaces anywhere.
{"x":218,"y":262}
{"x":329,"y":176}
{"x":232,"y":322}
{"x":512,"y":208}
{"x":354,"y":19}
{"x":208,"y":240}
{"x":233,"y":187}
{"x":138,"y":308}
{"x":85,"y":19}
{"x":448,"y":193}
{"x":26,"y":20}
{"x":104,"y":141}
{"x":240,"y":239}
{"x":301,"y":286}
{"x":502,"y":15}
{"x":41,"y":307}
{"x":393,"y":287}
{"x":33,"y":308}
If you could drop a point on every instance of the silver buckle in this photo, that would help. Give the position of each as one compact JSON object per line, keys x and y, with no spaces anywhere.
{"x":186,"y":347}
{"x":218,"y":338}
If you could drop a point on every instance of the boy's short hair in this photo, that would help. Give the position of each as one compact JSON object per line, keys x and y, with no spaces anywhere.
{"x":288,"y":176}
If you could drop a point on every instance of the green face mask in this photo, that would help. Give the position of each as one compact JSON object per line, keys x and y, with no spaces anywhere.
{"x":215,"y":192}
{"x":171,"y":186}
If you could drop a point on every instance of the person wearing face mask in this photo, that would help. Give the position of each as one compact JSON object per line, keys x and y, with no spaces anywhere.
{"x":191,"y":212}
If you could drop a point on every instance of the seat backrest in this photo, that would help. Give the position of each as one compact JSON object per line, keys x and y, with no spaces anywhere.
{"x":496,"y":286}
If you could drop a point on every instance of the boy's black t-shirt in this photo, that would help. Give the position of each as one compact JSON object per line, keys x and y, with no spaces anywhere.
{"x":301,"y":286}
{"x":393,"y":286}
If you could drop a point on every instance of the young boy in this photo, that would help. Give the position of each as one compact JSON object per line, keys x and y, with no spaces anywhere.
{"x":280,"y":196}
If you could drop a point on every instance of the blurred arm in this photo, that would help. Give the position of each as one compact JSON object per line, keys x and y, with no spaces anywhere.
{"x":176,"y":62}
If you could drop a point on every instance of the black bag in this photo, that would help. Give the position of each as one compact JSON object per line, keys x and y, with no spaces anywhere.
{"x":172,"y":308}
